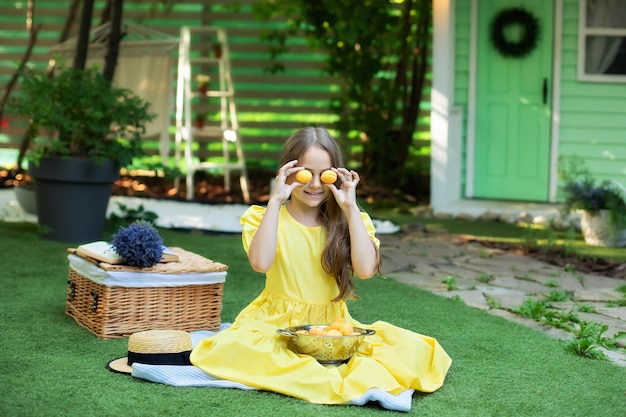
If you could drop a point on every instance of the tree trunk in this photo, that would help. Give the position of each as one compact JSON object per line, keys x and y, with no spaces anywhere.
{"x":32,"y":40}
{"x":114,"y":39}
{"x":30,"y":133}
{"x":71,"y":18}
{"x":82,"y":46}
{"x":386,"y":152}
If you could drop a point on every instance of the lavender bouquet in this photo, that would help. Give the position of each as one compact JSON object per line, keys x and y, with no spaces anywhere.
{"x":139,"y":244}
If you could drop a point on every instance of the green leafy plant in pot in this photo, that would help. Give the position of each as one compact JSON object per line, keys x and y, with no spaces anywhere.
{"x":602,"y":205}
{"x":89,"y":130}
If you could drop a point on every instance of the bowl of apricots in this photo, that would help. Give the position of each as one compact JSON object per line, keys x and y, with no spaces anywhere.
{"x":332,"y":344}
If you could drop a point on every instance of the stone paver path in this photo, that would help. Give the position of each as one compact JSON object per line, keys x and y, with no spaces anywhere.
{"x":499,"y":282}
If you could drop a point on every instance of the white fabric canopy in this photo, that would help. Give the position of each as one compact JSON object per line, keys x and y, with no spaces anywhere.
{"x":144,"y":66}
{"x":149,"y":77}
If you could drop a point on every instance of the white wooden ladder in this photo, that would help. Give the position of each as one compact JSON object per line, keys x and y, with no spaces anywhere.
{"x":193,"y":127}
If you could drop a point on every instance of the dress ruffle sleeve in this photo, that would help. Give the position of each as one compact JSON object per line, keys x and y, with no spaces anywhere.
{"x":250,"y":221}
{"x":371,"y":230}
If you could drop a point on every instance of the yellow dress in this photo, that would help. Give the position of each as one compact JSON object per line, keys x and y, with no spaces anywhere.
{"x":297,"y":292}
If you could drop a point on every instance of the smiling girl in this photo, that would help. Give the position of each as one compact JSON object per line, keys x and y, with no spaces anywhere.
{"x":309,"y":241}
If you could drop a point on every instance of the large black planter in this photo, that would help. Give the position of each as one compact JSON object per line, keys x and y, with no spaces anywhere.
{"x":72,"y":197}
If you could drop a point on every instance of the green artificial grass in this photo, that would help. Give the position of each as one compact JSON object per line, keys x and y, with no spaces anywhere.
{"x":50,"y":366}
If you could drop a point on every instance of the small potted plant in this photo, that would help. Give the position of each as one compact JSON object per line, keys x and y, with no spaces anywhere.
{"x":602,"y":205}
{"x":217,"y":49}
{"x":203,"y":83}
{"x":199,"y":120}
{"x":88,"y":131}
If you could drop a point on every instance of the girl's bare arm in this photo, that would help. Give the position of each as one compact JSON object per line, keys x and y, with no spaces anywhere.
{"x":263,"y":246}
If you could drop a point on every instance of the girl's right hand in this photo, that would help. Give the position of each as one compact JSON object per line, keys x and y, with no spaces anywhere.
{"x":282,"y":190}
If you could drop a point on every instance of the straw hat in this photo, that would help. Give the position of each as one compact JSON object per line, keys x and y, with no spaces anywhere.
{"x":155,"y":347}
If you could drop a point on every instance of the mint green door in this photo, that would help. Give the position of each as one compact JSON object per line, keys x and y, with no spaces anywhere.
{"x":512,"y":135}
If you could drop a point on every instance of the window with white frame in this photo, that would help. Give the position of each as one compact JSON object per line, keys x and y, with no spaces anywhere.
{"x":602,"y":40}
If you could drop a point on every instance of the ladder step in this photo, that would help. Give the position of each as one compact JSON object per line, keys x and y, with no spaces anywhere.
{"x":214,"y":131}
{"x":204,"y":60}
{"x":215,"y":93}
{"x":207,"y":165}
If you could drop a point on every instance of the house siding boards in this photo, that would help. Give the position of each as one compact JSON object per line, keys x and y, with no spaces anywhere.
{"x":462,"y":52}
{"x":590,"y":117}
{"x":270,"y":107}
{"x":462,"y":43}
{"x":593,"y":114}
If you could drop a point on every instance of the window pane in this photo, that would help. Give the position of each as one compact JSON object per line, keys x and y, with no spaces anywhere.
{"x":605,"y":55}
{"x":606,"y":14}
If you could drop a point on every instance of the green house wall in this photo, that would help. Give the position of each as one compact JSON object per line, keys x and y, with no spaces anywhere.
{"x":270,"y":107}
{"x":461,"y":74}
{"x":592,"y":116}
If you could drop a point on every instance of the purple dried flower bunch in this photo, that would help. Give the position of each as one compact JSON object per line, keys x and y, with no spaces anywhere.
{"x":585,"y":195}
{"x":139,"y":244}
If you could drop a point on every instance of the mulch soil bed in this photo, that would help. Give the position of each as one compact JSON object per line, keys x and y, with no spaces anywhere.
{"x":558,"y":256}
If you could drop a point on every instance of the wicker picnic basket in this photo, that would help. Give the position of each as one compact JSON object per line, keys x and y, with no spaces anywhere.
{"x":112,"y":311}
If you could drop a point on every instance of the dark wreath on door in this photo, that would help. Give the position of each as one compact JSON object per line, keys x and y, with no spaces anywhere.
{"x":503,"y":21}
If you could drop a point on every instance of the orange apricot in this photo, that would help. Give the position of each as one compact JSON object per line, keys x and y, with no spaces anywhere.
{"x":316,"y":331}
{"x":346,"y":329}
{"x":328,"y":177}
{"x":304,"y":176}
{"x":335,"y":325}
{"x":334,"y":333}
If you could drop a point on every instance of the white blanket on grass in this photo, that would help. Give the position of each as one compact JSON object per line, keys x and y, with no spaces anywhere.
{"x":190,"y":376}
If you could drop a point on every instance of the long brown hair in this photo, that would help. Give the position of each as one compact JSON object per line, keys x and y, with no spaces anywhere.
{"x":336,"y":259}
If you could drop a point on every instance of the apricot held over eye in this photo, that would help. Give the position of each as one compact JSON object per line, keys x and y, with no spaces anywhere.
{"x":328,"y":177}
{"x":304,"y":176}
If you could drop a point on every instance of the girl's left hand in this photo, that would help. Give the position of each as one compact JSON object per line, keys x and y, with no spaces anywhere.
{"x":345,"y":195}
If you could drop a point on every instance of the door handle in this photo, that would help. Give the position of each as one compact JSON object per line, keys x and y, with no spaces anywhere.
{"x":545,"y":90}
